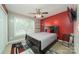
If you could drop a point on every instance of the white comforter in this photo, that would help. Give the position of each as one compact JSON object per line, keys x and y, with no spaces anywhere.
{"x":44,"y":37}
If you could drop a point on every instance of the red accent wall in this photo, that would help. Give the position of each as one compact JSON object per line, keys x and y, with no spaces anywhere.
{"x":62,"y":20}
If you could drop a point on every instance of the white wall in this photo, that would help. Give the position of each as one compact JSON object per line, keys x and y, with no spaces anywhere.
{"x":76,"y":32}
{"x":19,"y":25}
{"x":3,"y":29}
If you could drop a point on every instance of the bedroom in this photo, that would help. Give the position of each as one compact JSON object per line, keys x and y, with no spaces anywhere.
{"x":49,"y":27}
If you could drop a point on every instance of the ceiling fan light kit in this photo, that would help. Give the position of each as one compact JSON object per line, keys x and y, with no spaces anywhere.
{"x":38,"y":16}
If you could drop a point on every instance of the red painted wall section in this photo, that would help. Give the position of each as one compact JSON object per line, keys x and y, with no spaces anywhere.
{"x":62,"y":20}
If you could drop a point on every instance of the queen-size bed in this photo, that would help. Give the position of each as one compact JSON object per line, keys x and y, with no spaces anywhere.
{"x":39,"y":42}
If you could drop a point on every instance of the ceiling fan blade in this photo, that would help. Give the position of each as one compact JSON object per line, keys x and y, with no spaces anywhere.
{"x":32,"y":13}
{"x":44,"y":12}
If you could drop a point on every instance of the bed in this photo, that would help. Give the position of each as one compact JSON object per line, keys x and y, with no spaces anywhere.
{"x":40,"y":41}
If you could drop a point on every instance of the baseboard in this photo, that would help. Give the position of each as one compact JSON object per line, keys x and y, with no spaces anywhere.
{"x":62,"y":41}
{"x":15,"y":41}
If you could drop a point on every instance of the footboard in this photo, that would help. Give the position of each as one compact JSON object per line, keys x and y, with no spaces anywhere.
{"x":34,"y":44}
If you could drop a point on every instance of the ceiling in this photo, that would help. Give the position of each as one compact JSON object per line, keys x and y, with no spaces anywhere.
{"x":25,"y":9}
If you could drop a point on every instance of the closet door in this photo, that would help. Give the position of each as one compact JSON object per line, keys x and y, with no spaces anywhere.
{"x":3,"y":29}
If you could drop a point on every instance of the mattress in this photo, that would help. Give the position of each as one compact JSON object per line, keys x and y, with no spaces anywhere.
{"x":44,"y":37}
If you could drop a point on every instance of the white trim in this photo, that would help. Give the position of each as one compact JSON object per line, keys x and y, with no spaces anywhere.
{"x":15,"y":41}
{"x":63,"y":41}
{"x":6,"y":18}
{"x":3,"y":9}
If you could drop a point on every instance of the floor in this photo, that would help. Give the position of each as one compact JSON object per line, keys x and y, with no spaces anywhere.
{"x":57,"y":48}
{"x":9,"y":45}
{"x":7,"y":49}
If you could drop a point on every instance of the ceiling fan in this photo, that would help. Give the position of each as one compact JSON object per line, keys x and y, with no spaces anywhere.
{"x":39,"y":14}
